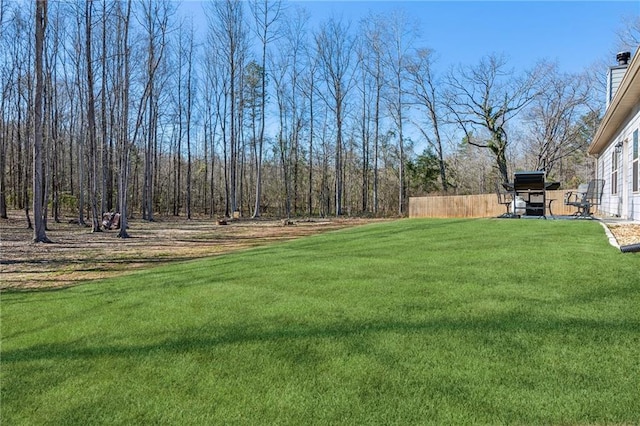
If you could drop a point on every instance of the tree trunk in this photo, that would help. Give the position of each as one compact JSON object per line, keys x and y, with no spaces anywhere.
{"x":189,"y":108}
{"x":91,"y":122}
{"x":4,"y":137}
{"x":39,"y":234}
{"x":106,"y":202}
{"x":311,"y":118}
{"x":339,"y":170}
{"x":125,"y":146}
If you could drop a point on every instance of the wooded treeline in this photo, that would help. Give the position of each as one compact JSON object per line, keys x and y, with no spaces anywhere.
{"x":261,"y":113}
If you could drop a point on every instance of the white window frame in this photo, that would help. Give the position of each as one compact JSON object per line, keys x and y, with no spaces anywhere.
{"x":635,"y":162}
{"x":615,"y":162}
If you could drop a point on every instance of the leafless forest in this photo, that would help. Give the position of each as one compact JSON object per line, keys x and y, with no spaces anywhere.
{"x":127,"y":106}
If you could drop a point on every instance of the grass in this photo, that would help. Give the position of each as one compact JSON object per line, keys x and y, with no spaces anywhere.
{"x":410,"y":322}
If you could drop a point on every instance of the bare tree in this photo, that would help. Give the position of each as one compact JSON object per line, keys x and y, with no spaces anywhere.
{"x":53,"y":106}
{"x":295,"y":39}
{"x":39,"y":232}
{"x":309,"y":89}
{"x":471,"y":170}
{"x":106,"y":136}
{"x":266,"y":14}
{"x":189,"y":112}
{"x":18,"y":45}
{"x":629,"y":33}
{"x":226,"y":22}
{"x":280,"y":65}
{"x":77,"y":115}
{"x":177,"y":129}
{"x":374,"y":44}
{"x":400,"y":32}
{"x":366,"y":91}
{"x":215,"y":96}
{"x":124,"y":144}
{"x":91,"y":122}
{"x":425,"y":91}
{"x":5,"y":85}
{"x":252,"y":102}
{"x":155,"y":21}
{"x":554,"y":118}
{"x":335,"y":45}
{"x":485,"y":97}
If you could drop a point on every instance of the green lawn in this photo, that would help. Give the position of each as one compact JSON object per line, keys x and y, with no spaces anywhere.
{"x":410,"y":322}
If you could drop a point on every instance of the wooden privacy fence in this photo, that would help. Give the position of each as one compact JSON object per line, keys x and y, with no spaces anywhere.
{"x":482,"y":205}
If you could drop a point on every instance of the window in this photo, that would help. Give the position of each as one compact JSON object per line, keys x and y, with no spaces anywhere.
{"x":634,"y":164}
{"x":614,"y":171}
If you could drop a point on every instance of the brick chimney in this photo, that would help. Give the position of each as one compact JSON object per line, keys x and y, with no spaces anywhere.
{"x":615,"y":75}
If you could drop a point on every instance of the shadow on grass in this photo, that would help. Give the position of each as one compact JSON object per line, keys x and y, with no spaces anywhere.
{"x":504,"y":325}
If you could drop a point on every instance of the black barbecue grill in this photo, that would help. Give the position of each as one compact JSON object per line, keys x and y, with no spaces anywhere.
{"x":530,"y":186}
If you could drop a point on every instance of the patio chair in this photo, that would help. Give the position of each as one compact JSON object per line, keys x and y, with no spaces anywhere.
{"x":506,"y":199}
{"x":573,"y":198}
{"x":587,"y":196}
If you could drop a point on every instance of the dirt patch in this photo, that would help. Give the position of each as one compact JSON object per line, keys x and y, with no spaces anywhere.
{"x":76,"y":255}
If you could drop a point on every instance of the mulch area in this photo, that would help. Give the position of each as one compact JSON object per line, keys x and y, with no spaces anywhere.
{"x":626,"y":234}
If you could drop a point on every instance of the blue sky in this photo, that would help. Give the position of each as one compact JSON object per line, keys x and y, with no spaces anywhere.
{"x":574,"y":33}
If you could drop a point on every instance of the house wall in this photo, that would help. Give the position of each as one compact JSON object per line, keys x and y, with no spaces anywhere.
{"x":622,"y":201}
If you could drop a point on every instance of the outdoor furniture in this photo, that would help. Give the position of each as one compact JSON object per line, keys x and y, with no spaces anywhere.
{"x":551,"y":186}
{"x":574,"y":198}
{"x":587,"y":196}
{"x":506,"y":199}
